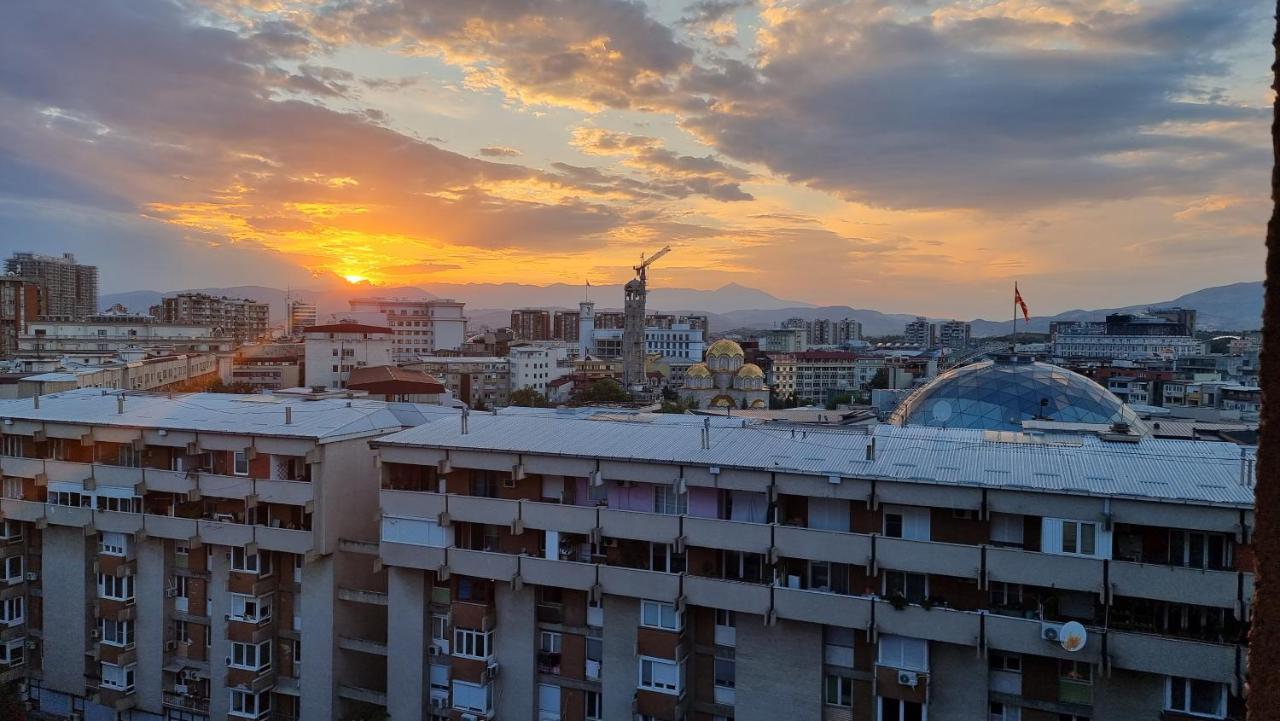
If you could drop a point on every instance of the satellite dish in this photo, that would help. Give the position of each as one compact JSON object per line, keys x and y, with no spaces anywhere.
{"x":1073,"y":636}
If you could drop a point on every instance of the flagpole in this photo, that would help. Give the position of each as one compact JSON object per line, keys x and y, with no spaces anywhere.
{"x":1013,"y":344}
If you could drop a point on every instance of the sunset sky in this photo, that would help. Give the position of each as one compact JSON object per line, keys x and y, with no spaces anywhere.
{"x":910,"y":156}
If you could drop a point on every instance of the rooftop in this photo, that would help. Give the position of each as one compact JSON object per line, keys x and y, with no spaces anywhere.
{"x":390,"y":380}
{"x":1148,"y":468}
{"x":328,"y":419}
{"x":347,"y":328}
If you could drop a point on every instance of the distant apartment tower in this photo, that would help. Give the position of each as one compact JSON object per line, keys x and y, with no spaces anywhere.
{"x":826,"y":332}
{"x":69,"y":289}
{"x":333,"y":350}
{"x":531,"y":324}
{"x":19,"y":306}
{"x":920,"y":332}
{"x":421,"y":326}
{"x":238,"y":317}
{"x":565,"y":325}
{"x":299,"y":315}
{"x":1165,"y":333}
{"x":953,"y":334}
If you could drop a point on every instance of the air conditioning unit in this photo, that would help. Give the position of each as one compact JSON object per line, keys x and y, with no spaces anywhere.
{"x":490,"y":672}
{"x":95,"y":634}
{"x":433,"y":650}
{"x":31,"y":644}
{"x":171,"y":592}
{"x":33,"y":575}
{"x":180,"y":688}
{"x":1050,"y":632}
{"x":909,"y":678}
{"x":171,"y":645}
{"x":439,"y":702}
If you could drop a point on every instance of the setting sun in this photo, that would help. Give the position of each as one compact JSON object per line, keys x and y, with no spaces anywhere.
{"x":353,"y":278}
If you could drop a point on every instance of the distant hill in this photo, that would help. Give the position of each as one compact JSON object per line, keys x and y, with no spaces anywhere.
{"x":1230,"y":307}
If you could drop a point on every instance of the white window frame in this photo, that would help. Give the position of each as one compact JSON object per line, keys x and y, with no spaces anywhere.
{"x":483,"y":689}
{"x":903,"y":652}
{"x":240,"y":605}
{"x":247,"y":704}
{"x":549,"y":641}
{"x":1169,"y":683}
{"x":113,"y":543}
{"x":915,"y":522}
{"x":843,"y":697}
{"x":120,"y":678}
{"x":14,"y":652}
{"x":120,"y":634}
{"x":655,"y":614}
{"x":594,"y":706}
{"x":668,"y":502}
{"x":13,"y":611}
{"x":469,"y":643}
{"x":10,"y":530}
{"x":239,"y":459}
{"x":14,"y":568}
{"x":251,"y":656}
{"x":116,"y":588}
{"x":244,"y":562}
{"x":668,"y":666}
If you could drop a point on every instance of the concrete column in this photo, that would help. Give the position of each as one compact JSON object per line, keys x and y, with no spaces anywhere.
{"x":958,"y":681}
{"x":516,"y":694}
{"x":150,"y":629}
{"x":67,"y":590}
{"x":619,"y":671}
{"x":779,"y":670}
{"x":219,"y":644}
{"x":319,"y":646}
{"x":407,"y":682}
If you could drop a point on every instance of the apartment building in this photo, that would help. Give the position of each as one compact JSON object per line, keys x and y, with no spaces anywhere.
{"x":816,"y":376}
{"x":160,"y":373}
{"x":558,"y":566}
{"x":531,"y":324}
{"x":536,"y":365}
{"x":954,"y":334}
{"x":421,"y":326}
{"x":113,"y":334}
{"x":478,"y":381}
{"x":920,"y":333}
{"x":238,"y":317}
{"x":299,"y":316}
{"x":19,"y":307}
{"x":333,"y":350}
{"x":176,"y":558}
{"x":68,"y":290}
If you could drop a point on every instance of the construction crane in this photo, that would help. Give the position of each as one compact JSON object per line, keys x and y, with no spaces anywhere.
{"x":645,"y":263}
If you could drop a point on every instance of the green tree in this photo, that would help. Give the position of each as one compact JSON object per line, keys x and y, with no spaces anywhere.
{"x":881,"y":379}
{"x":605,"y":390}
{"x":528,"y":398}
{"x":837,"y":400}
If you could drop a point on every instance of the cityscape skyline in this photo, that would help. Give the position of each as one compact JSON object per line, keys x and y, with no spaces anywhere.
{"x":539,"y":143}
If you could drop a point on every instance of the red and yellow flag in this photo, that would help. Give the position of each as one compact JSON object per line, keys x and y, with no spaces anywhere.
{"x":1018,"y":301}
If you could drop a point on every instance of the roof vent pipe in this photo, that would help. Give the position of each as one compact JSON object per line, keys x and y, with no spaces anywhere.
{"x":871,"y":450}
{"x":706,"y":433}
{"x":120,"y":404}
{"x":288,"y":415}
{"x":465,"y":412}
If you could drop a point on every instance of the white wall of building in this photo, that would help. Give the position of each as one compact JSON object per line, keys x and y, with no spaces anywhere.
{"x":332,"y":356}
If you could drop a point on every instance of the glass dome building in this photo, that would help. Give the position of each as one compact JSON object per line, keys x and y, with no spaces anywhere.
{"x":999,"y":394}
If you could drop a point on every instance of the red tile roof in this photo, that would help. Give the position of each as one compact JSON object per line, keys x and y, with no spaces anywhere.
{"x":348,"y":328}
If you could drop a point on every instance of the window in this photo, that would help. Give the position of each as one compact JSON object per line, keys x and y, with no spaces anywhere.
{"x":252,"y":657}
{"x":667,"y":501}
{"x":472,"y":697}
{"x":1006,"y":595}
{"x":13,"y":569}
{"x":12,"y":611}
{"x":661,"y":558}
{"x":906,"y":522}
{"x":119,"y":504}
{"x":116,"y":633}
{"x":245,"y":562}
{"x":11,"y":445}
{"x":1199,"y":550}
{"x":117,"y":677}
{"x":595,"y":706}
{"x":472,"y":644}
{"x":440,"y":631}
{"x":1074,"y":538}
{"x":838,"y":691}
{"x":1193,"y":696}
{"x":111,"y":543}
{"x":549,"y":642}
{"x":1006,"y":529}
{"x":68,"y":498}
{"x":250,"y":609}
{"x":1010,"y":662}
{"x":1075,"y":682}
{"x":13,"y":653}
{"x":910,"y":654}
{"x":912,"y":586}
{"x":248,"y":704}
{"x":725,"y":617}
{"x":118,"y":588}
{"x":656,"y":614}
{"x":13,"y":488}
{"x":240,"y":463}
{"x":661,"y":675}
{"x":724,"y":671}
{"x":1005,"y":712}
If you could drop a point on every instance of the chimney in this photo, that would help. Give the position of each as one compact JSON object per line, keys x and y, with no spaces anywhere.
{"x":120,"y":404}
{"x":871,"y":449}
{"x":465,"y":412}
{"x":288,"y":415}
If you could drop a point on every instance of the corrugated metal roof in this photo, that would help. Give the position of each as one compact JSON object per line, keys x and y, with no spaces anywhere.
{"x":260,"y":415}
{"x":1198,"y":472}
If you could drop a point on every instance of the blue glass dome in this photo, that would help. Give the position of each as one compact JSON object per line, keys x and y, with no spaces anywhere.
{"x":1000,"y":394}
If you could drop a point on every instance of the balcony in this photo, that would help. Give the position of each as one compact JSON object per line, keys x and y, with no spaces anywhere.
{"x":565,"y":574}
{"x":163,"y":481}
{"x":287,"y":540}
{"x":178,"y":529}
{"x":1174,"y":583}
{"x":820,"y":607}
{"x":737,"y":596}
{"x":638,"y":583}
{"x":948,"y":559}
{"x":819,"y":545}
{"x":16,"y":510}
{"x":1014,"y":565}
{"x":482,"y":564}
{"x":293,"y":493}
{"x":728,"y":535}
{"x":74,"y":516}
{"x":118,"y":522}
{"x":639,"y":526}
{"x":22,"y":467}
{"x":1174,"y":657}
{"x":558,"y":517}
{"x":186,"y":702}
